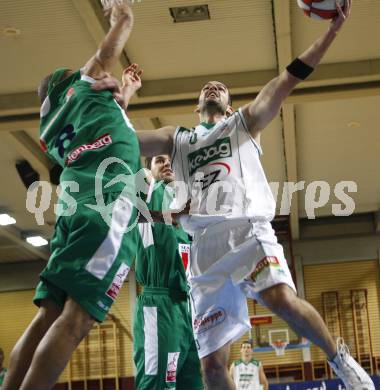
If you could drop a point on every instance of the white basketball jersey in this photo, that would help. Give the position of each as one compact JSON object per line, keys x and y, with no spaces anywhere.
{"x":222,"y":169}
{"x":246,"y":376}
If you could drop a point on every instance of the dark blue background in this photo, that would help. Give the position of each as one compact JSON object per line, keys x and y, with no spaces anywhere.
{"x":334,"y":384}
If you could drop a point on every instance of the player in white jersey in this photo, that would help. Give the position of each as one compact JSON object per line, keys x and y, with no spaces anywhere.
{"x":247,"y":372}
{"x":235,"y":253}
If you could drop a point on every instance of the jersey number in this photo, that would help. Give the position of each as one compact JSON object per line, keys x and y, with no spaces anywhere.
{"x":64,"y":139}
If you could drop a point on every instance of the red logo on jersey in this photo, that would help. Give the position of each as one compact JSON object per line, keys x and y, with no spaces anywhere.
{"x":118,"y":280}
{"x":268,"y":261}
{"x":102,"y":141}
{"x":184,"y":251}
{"x":171,"y":368}
{"x":43,"y":145}
{"x":70,"y":92}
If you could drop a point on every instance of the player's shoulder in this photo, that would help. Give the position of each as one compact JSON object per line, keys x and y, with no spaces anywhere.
{"x":256,"y":362}
{"x":237,"y":362}
{"x":182,"y":129}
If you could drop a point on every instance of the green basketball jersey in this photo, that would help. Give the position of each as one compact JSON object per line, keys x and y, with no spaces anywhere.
{"x":3,"y":371}
{"x":163,"y":256}
{"x":81,"y":129}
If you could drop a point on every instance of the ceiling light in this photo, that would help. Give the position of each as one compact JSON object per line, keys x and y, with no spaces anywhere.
{"x":190,"y":13}
{"x":11,"y":31}
{"x":6,"y":219}
{"x":354,"y":124}
{"x":183,"y":11}
{"x":36,"y":241}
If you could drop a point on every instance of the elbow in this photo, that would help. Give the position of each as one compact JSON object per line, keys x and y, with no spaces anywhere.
{"x":288,"y":81}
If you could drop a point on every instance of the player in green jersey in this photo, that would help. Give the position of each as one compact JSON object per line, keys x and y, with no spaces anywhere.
{"x":165,"y":353}
{"x":80,"y":130}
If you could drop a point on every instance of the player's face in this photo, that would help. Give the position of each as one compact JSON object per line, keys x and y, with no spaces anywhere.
{"x":246,"y":351}
{"x":214,"y":96}
{"x":1,"y":358}
{"x":161,"y":168}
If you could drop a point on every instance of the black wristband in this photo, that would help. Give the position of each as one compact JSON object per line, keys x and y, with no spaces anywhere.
{"x":299,"y":69}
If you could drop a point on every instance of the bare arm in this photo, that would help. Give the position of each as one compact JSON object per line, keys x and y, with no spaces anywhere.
{"x":121,"y":20}
{"x":263,"y":379}
{"x":155,"y":142}
{"x":267,"y":104}
{"x":232,"y":371}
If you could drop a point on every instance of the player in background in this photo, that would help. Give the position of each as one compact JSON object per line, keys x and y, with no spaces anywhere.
{"x":165,"y":353}
{"x":88,"y":264}
{"x":247,"y":372}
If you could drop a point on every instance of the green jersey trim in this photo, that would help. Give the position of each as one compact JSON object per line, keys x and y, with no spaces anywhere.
{"x":56,"y":78}
{"x":208,"y":126}
{"x":253,"y":361}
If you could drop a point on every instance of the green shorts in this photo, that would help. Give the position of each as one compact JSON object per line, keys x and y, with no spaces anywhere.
{"x":165,"y":353}
{"x":90,"y":256}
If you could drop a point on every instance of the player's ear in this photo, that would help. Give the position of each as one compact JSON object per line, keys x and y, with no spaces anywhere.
{"x":197,"y":109}
{"x":229,"y":111}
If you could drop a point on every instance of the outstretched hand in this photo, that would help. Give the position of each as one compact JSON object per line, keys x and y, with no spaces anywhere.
{"x":343,"y":13}
{"x":131,"y":78}
{"x":131,"y":82}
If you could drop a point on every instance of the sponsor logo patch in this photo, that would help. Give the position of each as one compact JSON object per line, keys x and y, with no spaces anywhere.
{"x":171,"y":369}
{"x":220,"y":149}
{"x":118,"y":280}
{"x":70,"y":93}
{"x":213,"y":173}
{"x":209,"y":320}
{"x":102,"y":141}
{"x":184,"y":251}
{"x":268,"y":261}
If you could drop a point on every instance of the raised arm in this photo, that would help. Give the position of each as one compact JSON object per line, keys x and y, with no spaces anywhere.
{"x":121,"y":20}
{"x":267,"y":104}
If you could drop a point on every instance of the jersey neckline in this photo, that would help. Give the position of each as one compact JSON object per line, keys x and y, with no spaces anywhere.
{"x":208,"y":126}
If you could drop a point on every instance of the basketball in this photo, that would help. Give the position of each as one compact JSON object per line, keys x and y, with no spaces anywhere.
{"x":320,"y":9}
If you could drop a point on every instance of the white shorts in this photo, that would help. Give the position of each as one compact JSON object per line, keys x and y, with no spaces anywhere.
{"x":230,"y":262}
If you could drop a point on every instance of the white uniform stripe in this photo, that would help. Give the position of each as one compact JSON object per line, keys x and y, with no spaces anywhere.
{"x":150,"y":340}
{"x":104,"y":257}
{"x":146,"y":234}
{"x":43,"y":135}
